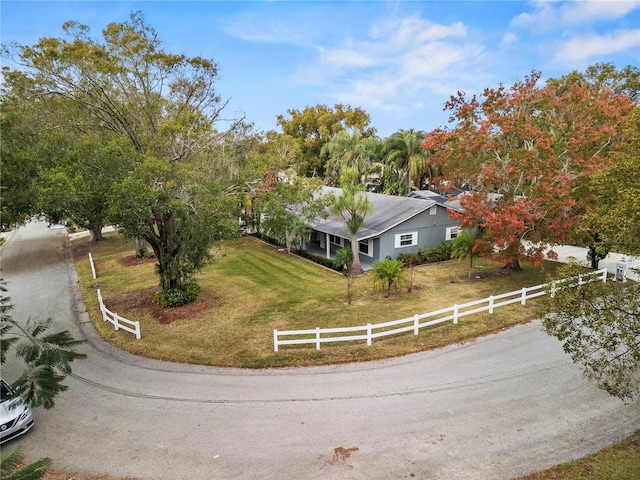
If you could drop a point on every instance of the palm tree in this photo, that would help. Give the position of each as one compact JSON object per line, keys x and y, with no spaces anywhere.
{"x":462,"y":247}
{"x":405,"y":153}
{"x":13,"y":467}
{"x":344,"y":261}
{"x":388,"y":275}
{"x":350,"y":149}
{"x":352,"y":206}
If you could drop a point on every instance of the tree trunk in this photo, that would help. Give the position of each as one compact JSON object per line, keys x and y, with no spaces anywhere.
{"x":513,"y":264}
{"x":593,"y":257}
{"x":141,"y":248}
{"x":356,"y":268}
{"x":166,"y":252}
{"x":95,"y":233}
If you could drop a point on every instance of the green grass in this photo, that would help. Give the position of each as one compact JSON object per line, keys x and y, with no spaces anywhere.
{"x":618,"y":462}
{"x":253,"y":288}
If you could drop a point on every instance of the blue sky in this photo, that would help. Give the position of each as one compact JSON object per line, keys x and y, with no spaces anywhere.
{"x":400,"y":61}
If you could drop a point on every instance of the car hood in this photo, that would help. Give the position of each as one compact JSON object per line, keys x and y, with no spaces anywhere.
{"x":11,"y":409}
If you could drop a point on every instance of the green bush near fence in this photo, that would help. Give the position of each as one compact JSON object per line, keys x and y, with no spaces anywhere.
{"x":441,"y":253}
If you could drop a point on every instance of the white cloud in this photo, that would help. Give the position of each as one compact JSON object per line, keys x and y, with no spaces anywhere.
{"x":551,"y":14}
{"x":509,"y":38}
{"x":392,"y":66}
{"x":576,"y":12}
{"x":584,"y":47}
{"x":543,"y":16}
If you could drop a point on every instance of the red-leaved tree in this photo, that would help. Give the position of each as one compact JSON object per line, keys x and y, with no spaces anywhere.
{"x":524,"y":154}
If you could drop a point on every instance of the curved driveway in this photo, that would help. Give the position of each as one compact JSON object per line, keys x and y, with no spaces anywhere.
{"x":497,"y":408}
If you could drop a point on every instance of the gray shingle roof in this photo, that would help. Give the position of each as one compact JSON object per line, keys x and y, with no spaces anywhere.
{"x":388,"y":211}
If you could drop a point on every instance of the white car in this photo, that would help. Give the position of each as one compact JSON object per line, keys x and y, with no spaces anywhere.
{"x":15,"y":415}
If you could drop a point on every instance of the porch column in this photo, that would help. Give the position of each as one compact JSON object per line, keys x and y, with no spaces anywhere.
{"x":328,"y":245}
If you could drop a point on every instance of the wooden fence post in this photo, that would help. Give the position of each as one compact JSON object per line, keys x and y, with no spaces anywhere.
{"x":93,"y":267}
{"x":317,"y":338}
{"x":455,"y":314}
{"x":368,"y":334}
{"x":491,"y":304}
{"x":523,"y":301}
{"x":416,"y":324}
{"x":275,"y":340}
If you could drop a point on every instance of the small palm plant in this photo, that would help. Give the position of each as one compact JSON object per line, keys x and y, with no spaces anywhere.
{"x":462,"y":247}
{"x":14,"y":467}
{"x":388,"y":275}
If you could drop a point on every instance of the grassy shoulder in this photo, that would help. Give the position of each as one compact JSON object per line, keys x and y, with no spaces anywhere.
{"x":253,"y":288}
{"x":618,"y":462}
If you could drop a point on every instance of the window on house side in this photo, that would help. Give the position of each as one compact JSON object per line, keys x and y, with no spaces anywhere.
{"x":406,"y":239}
{"x":365,"y":247}
{"x":452,"y":232}
{"x":335,"y":240}
{"x":433,"y":210}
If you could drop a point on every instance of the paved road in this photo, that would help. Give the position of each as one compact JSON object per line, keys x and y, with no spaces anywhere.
{"x":500,"y":407}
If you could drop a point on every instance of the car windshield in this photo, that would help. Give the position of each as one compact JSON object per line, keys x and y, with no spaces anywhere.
{"x":5,"y":392}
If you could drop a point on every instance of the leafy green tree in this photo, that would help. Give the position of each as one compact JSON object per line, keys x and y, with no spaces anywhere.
{"x":166,"y":107}
{"x":13,"y":467}
{"x":179,"y":209}
{"x":615,"y":212}
{"x":388,"y":275}
{"x":20,"y":130}
{"x":599,"y":326}
{"x":352,"y":206}
{"x":625,"y":81}
{"x":315,"y":126}
{"x":292,"y":206}
{"x":463,"y":246}
{"x":80,"y":186}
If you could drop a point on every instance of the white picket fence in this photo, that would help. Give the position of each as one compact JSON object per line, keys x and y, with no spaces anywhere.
{"x":370,"y":331}
{"x":120,"y":323}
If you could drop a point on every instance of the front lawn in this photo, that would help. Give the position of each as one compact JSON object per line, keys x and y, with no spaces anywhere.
{"x":253,"y":288}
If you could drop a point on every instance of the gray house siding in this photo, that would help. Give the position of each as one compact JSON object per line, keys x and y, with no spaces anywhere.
{"x":391,"y":217}
{"x":431,"y":230}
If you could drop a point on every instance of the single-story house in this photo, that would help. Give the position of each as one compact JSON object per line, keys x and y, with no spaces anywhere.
{"x":396,"y":225}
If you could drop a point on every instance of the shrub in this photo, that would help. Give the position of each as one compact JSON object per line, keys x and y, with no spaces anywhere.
{"x":319,"y":259}
{"x":441,"y":253}
{"x":410,"y":259}
{"x":175,"y":297}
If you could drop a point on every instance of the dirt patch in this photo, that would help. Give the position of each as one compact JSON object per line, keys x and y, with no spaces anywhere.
{"x":142,"y":300}
{"x":132,"y":260}
{"x":340,"y":454}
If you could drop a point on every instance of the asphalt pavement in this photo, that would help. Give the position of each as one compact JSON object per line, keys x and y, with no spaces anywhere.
{"x":496,"y":408}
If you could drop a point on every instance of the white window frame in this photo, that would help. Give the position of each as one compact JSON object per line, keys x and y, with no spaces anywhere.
{"x":400,"y":237}
{"x":369,"y":243}
{"x":452,"y":232}
{"x":433,"y":210}
{"x":333,"y":238}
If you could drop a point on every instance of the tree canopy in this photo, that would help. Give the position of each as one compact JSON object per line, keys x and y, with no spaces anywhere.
{"x":165,"y":108}
{"x":315,"y":126}
{"x":525,"y":154}
{"x":291,"y":206}
{"x":599,"y":326}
